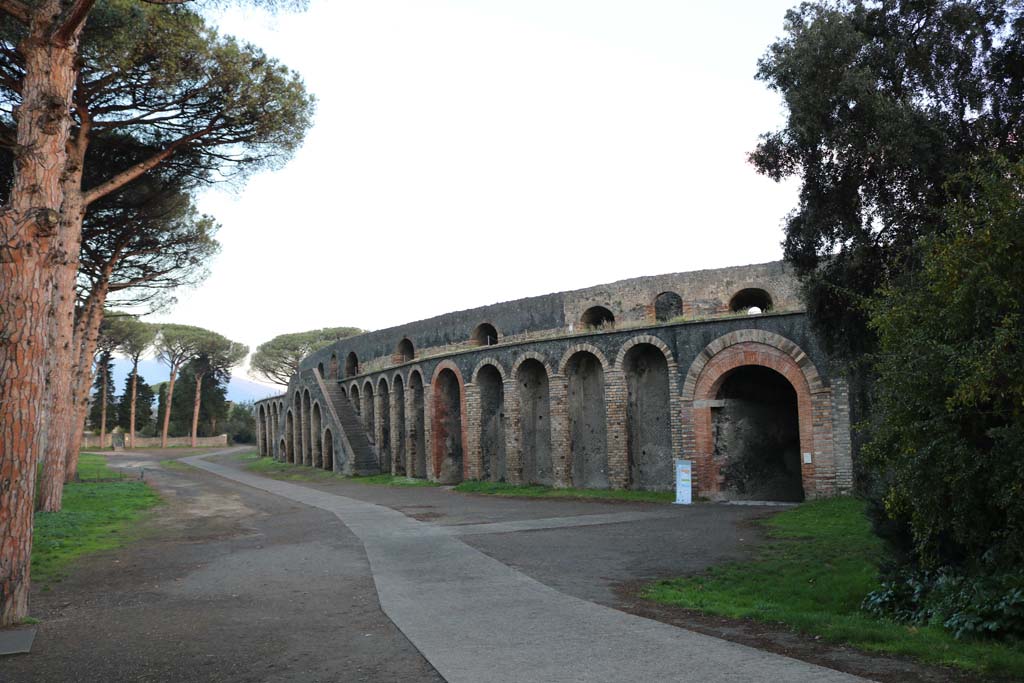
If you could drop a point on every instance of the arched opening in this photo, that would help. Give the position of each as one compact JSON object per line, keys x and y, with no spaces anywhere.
{"x":588,"y":437}
{"x":282,"y":446}
{"x":418,"y":434}
{"x":317,"y":435}
{"x":307,"y":439}
{"x":351,"y":364}
{"x":384,"y":445}
{"x":756,"y":431}
{"x":648,"y":431}
{"x":369,"y":418}
{"x":332,"y":367}
{"x":320,"y":369}
{"x":447,"y":427}
{"x":289,"y":437}
{"x":667,"y":305}
{"x":398,"y":447}
{"x":485,"y":334}
{"x":745,"y":300}
{"x":261,"y":431}
{"x":328,"y":450}
{"x":535,"y":422}
{"x":298,"y":429}
{"x":597,"y":317}
{"x":405,"y":351}
{"x":492,"y":423}
{"x":353,"y":396}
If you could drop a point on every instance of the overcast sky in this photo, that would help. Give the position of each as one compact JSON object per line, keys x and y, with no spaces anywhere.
{"x":474,"y":151}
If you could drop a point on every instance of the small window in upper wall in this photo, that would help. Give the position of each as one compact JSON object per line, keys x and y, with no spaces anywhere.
{"x":667,"y":305}
{"x":405,"y":350}
{"x":751,"y":301}
{"x":351,"y":364}
{"x":333,"y":366}
{"x":320,"y":368}
{"x":596,"y":317}
{"x":485,"y":335}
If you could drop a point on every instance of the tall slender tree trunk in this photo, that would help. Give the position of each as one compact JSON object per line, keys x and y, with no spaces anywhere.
{"x":131,"y":408}
{"x":167,"y":406}
{"x":87,"y":332}
{"x":30,"y":228}
{"x":103,"y":407}
{"x":195,"y":409}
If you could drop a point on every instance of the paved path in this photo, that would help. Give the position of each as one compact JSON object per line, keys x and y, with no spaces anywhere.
{"x":476,"y":619}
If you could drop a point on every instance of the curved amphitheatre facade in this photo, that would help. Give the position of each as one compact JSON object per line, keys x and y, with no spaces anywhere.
{"x":595,"y":388}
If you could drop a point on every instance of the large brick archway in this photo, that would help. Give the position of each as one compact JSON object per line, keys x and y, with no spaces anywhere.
{"x":814,"y":405}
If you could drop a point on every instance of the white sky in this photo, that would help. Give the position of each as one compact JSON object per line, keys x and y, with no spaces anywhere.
{"x":474,"y":151}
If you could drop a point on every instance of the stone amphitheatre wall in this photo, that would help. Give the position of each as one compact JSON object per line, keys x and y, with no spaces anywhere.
{"x":599,"y":387}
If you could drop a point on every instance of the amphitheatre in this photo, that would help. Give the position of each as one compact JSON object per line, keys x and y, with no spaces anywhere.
{"x":601,"y":387}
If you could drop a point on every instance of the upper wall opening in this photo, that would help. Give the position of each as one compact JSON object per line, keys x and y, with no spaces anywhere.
{"x":597,"y":316}
{"x":745,"y":300}
{"x":351,"y":364}
{"x":405,"y":351}
{"x":667,"y":305}
{"x":485,"y":334}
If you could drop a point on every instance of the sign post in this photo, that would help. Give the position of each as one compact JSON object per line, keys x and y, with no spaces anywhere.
{"x":684,"y":482}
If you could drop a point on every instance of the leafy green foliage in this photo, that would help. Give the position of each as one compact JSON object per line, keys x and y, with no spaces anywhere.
{"x":948,"y":430}
{"x":213,"y":404}
{"x":887,"y":102}
{"x":983,"y":605}
{"x":812,"y":576}
{"x":241,"y":423}
{"x":278,"y":359}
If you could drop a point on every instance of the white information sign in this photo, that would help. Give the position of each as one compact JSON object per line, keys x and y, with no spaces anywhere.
{"x":684,"y":482}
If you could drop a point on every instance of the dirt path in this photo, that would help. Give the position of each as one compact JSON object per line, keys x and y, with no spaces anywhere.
{"x":226,"y":584}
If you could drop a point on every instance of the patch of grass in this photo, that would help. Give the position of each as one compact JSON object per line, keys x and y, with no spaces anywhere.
{"x":93,"y":466}
{"x":94,"y":517}
{"x":536,"y":491}
{"x":289,"y":472}
{"x":813,"y":576}
{"x":175,"y":465}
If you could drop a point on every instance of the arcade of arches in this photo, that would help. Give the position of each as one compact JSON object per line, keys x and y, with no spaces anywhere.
{"x":751,"y":411}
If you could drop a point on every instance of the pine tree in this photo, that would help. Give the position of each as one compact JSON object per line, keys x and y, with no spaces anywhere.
{"x":143,"y":405}
{"x":103,"y":409}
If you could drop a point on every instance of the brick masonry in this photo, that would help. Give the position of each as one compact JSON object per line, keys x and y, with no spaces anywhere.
{"x":700,"y":348}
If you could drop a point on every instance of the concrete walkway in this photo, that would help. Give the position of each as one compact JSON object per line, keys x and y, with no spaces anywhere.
{"x":476,"y":619}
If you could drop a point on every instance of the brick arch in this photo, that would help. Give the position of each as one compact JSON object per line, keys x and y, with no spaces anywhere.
{"x":435,"y":449}
{"x":488,"y":361}
{"x":413,"y":370}
{"x":645,"y":339}
{"x":771,"y":340}
{"x":528,"y":355}
{"x":576,"y":348}
{"x":814,"y":409}
{"x":385,"y":379}
{"x":397,"y":376}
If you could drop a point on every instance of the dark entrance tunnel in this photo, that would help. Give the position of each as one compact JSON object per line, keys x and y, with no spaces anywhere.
{"x":588,"y":443}
{"x":756,"y":432}
{"x":535,"y":420}
{"x":492,"y":423}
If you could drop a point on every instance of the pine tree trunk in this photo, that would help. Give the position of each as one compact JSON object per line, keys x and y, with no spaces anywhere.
{"x":103,"y":407}
{"x":29,"y":229}
{"x":167,"y":406}
{"x":195,"y":409}
{"x":131,"y":408}
{"x":87,"y":331}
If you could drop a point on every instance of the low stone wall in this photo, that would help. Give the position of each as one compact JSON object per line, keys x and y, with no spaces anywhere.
{"x":93,"y":441}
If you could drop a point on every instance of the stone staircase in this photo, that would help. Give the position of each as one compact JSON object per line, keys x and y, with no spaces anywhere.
{"x":353,"y":434}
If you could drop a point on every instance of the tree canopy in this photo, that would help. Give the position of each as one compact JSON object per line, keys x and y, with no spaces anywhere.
{"x":278,"y":359}
{"x":887,"y":103}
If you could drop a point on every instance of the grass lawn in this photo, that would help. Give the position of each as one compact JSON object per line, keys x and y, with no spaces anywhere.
{"x":813,"y":576}
{"x":94,"y":516}
{"x":92,"y":466}
{"x":535,"y":491}
{"x":286,"y":471}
